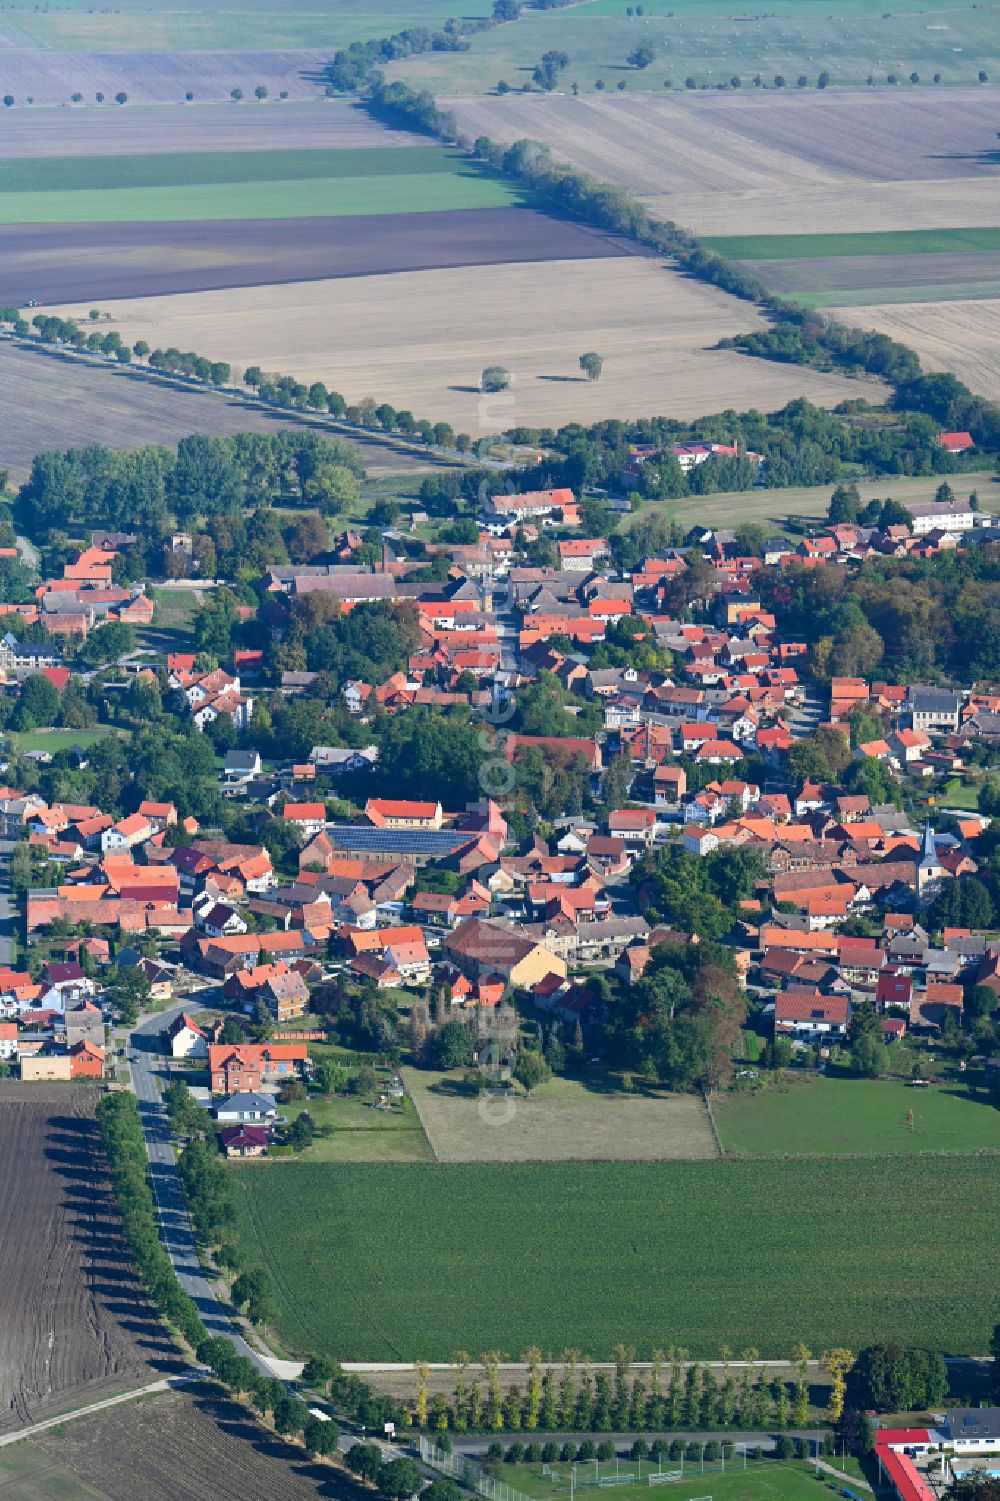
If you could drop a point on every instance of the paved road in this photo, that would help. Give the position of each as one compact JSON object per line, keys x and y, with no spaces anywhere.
{"x":143,"y":1057}
{"x":8,"y":907}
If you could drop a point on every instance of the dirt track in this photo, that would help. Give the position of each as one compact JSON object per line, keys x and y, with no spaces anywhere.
{"x":63,"y":263}
{"x":75,"y":1324}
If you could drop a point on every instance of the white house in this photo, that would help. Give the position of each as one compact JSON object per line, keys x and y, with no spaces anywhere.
{"x":811,"y":1018}
{"x":246,"y":1106}
{"x":187,"y":1040}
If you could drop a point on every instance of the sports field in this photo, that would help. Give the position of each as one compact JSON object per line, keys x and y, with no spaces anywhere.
{"x":765,"y":1480}
{"x":589,"y":1255}
{"x":864,"y":1116}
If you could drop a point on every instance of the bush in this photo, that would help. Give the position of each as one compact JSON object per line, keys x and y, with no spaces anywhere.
{"x":676,"y":1450}
{"x":693,"y":1451}
{"x":568,"y":1453}
{"x":494,"y":1454}
{"x":727,"y":1448}
{"x":533,"y":1454}
{"x":784,"y":1448}
{"x":605,"y":1450}
{"x":587,"y":1450}
{"x":550,"y":1453}
{"x":712,"y":1450}
{"x":640,"y":1449}
{"x":514,"y":1454}
{"x":801,"y":1448}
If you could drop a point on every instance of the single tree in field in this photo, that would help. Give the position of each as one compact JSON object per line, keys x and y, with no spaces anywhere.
{"x":779,"y":80}
{"x":100,"y":98}
{"x":189,"y":96}
{"x":494,"y":378}
{"x":641,"y":57}
{"x":621,"y":85}
{"x":984,"y":77}
{"x":121,"y":98}
{"x":76,"y":98}
{"x":591,"y":364}
{"x":94,"y":314}
{"x":599,"y":85}
{"x":531,"y":1070}
{"x":260,"y":92}
{"x":822,"y":80}
{"x":236,"y":95}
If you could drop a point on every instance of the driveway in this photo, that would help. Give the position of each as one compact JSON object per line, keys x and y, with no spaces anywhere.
{"x":145,"y":1065}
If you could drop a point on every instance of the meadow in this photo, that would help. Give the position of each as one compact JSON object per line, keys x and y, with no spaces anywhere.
{"x":564,"y":1120}
{"x":711,"y":48}
{"x":588,"y":1255}
{"x":195,"y":25}
{"x":822,"y":1116}
{"x":826,"y":246}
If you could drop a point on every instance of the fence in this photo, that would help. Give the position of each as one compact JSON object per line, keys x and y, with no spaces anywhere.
{"x":468,"y":1472}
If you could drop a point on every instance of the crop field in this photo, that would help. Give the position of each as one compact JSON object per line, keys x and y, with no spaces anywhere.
{"x":963,"y":337}
{"x":75,"y":1325}
{"x":396,"y":338}
{"x":835,"y":1116}
{"x":450,"y":188}
{"x":52,"y":77}
{"x":186,"y":25}
{"x":712,"y":48}
{"x":562,"y":1121}
{"x":62,"y":403}
{"x":287,"y":125}
{"x":794,"y":509}
{"x":589,"y":1255}
{"x":191,"y":1445}
{"x":766,"y":163}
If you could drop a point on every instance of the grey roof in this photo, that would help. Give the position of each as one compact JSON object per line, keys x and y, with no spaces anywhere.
{"x":246,"y":1100}
{"x":435,"y":842}
{"x":935,"y":700}
{"x":974,"y":1422}
{"x":241,"y":760}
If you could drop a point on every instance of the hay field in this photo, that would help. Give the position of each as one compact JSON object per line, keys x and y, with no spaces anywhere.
{"x":963,"y":337}
{"x":564,"y":1121}
{"x":421,"y":340}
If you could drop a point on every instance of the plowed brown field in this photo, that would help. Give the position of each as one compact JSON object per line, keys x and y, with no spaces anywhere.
{"x":74,"y":1321}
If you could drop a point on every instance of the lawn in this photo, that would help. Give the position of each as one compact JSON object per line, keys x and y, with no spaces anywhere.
{"x":363,"y":1134}
{"x":186,"y":169}
{"x":309,"y":198}
{"x":592,"y":1254}
{"x":883,"y":242}
{"x":958,"y":794}
{"x":864,"y":1116}
{"x":176,"y":608}
{"x":564,"y":1120}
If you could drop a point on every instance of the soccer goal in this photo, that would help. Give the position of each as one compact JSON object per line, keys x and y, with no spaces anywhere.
{"x":664,"y":1477}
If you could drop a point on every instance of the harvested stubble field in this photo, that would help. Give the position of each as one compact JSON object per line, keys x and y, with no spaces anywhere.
{"x":747,"y":163}
{"x":62,"y":403}
{"x":101,"y":262}
{"x":589,"y":1255}
{"x":963,"y":337}
{"x":564,"y":1121}
{"x":276,"y":125}
{"x":421,"y":340}
{"x":51,"y":77}
{"x":75,"y":1324}
{"x":804,"y":39}
{"x":191,"y":1445}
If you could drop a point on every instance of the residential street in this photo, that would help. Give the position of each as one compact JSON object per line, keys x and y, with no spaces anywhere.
{"x":175,"y":1225}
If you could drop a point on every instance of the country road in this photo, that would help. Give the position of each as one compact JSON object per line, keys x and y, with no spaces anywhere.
{"x":165,"y":1384}
{"x":175,"y":1226}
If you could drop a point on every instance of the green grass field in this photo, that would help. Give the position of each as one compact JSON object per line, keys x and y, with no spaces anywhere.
{"x":308,"y":198}
{"x":401,"y":1262}
{"x":864,"y":1116}
{"x":58,"y":740}
{"x":787,"y":510}
{"x":765,"y":1480}
{"x":363,"y":1134}
{"x":710,"y":45}
{"x":887,"y":242}
{"x":187,"y":169}
{"x":196,"y":25}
